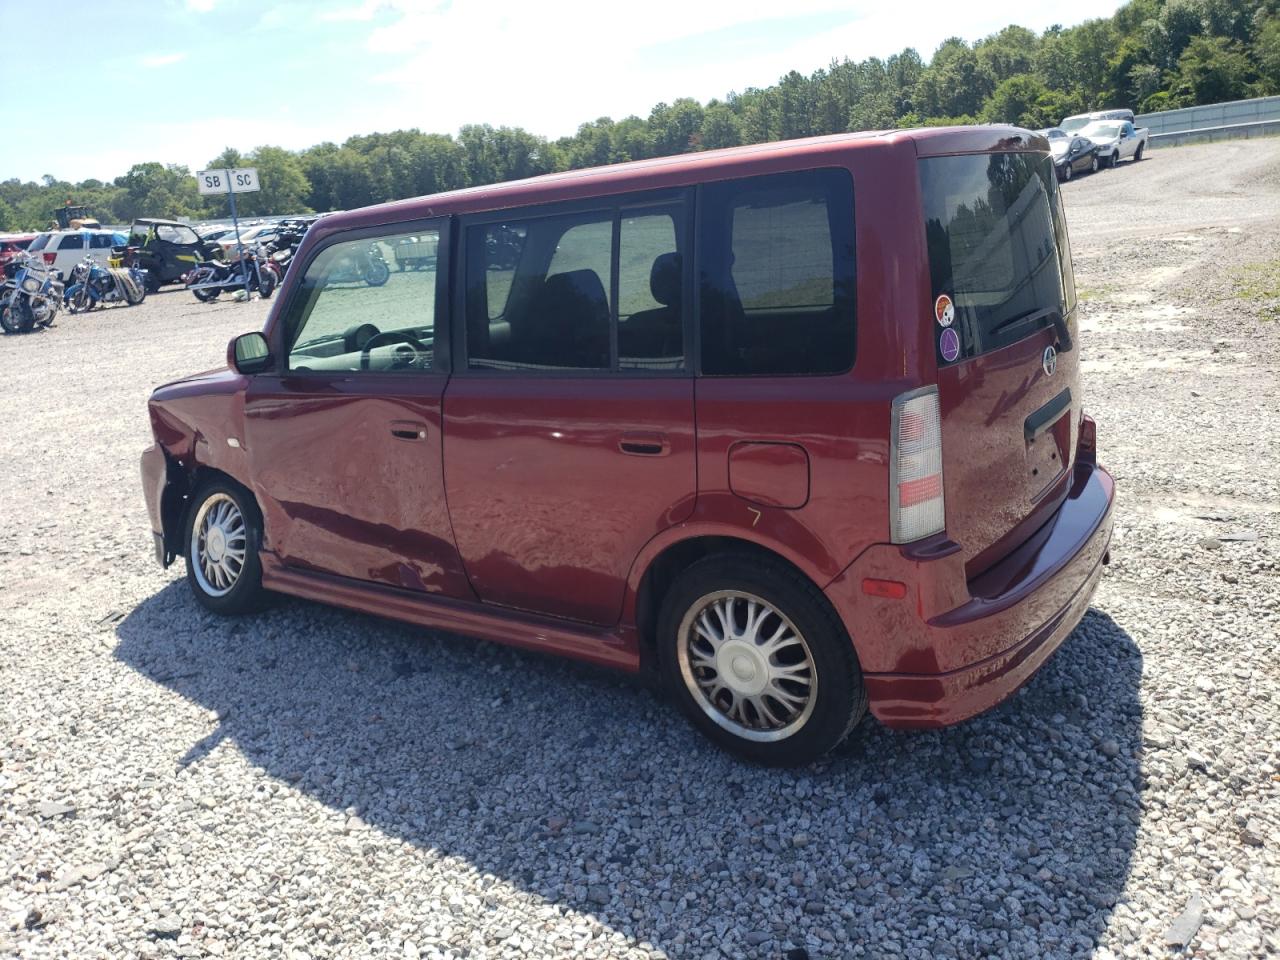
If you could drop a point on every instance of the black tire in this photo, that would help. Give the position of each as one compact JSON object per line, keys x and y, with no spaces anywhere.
{"x":841,"y":699}
{"x":245,"y":594}
{"x":1093,"y":167}
{"x":1137,"y":154}
{"x":19,"y":318}
{"x":1115,"y":159}
{"x":376,"y":273}
{"x":79,"y":302}
{"x":1067,"y":173}
{"x":152,"y":284}
{"x":267,"y":285}
{"x":207,"y":296}
{"x":8,"y":322}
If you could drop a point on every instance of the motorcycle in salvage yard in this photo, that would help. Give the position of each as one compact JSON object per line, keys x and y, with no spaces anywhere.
{"x":91,"y":285}
{"x":212,"y":277}
{"x":32,"y":298}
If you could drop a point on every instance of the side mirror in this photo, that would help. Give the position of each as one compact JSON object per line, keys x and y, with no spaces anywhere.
{"x":249,"y":353}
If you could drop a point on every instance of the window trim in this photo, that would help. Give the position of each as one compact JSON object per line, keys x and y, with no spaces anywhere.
{"x":615,"y":205}
{"x":441,"y":333}
{"x":853,"y":294}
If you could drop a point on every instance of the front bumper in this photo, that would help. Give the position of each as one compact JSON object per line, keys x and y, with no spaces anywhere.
{"x":156,"y":490}
{"x":954,"y":653}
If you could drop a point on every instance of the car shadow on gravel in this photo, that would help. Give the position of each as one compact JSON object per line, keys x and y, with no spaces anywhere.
{"x":1010,"y":834}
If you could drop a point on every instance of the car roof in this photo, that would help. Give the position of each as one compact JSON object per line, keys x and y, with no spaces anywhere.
{"x":682,"y":170}
{"x":160,"y":223}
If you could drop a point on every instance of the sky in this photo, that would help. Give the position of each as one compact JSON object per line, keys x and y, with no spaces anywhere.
{"x":178,"y":80}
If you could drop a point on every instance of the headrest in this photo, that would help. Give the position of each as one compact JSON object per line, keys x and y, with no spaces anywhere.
{"x":664,"y":279}
{"x":582,"y":287}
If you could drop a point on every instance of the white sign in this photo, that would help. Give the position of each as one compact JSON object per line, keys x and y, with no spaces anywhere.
{"x":240,"y":180}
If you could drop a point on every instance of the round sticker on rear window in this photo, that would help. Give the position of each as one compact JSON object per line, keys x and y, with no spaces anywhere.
{"x":944,"y":310}
{"x":949,"y":344}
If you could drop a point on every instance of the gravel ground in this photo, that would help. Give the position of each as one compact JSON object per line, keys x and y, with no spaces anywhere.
{"x":309,"y":783}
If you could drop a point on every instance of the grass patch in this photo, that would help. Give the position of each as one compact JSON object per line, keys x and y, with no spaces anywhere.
{"x":1259,"y":283}
{"x":1100,"y":292}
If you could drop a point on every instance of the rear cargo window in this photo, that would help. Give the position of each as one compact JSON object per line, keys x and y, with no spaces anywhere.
{"x":997,"y":246}
{"x":777,"y":256}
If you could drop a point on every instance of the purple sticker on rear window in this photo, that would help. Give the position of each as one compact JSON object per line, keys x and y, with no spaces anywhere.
{"x":949,"y":344}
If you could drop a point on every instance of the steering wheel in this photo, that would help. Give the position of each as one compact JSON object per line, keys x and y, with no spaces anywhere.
{"x":393,"y":336}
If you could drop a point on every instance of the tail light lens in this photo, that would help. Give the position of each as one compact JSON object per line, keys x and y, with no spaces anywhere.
{"x":49,"y":257}
{"x":915,"y":467}
{"x":1087,"y":445}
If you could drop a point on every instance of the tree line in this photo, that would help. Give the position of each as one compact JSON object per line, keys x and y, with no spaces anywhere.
{"x":1150,"y":55}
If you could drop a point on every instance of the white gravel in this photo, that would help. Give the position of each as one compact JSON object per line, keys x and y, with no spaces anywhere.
{"x":310,"y":784}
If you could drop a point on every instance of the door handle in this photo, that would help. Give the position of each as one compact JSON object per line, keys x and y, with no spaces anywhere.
{"x":644,"y":444}
{"x":408,"y":430}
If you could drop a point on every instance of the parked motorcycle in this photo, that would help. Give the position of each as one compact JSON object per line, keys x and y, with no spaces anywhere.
{"x":368,"y":265}
{"x":212,"y":277}
{"x":32,"y":298}
{"x":91,"y":285}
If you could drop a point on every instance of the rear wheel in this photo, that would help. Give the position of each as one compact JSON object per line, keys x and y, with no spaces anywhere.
{"x":205,"y":296}
{"x":1137,"y":154}
{"x":758,"y":660}
{"x":376,"y":273}
{"x":222,"y":536}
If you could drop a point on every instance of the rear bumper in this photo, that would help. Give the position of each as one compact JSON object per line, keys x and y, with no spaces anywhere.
{"x":961,"y":651}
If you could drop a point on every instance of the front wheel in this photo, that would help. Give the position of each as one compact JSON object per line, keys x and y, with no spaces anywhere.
{"x":1093,"y":167}
{"x":758,"y":660}
{"x":206,"y":296}
{"x":266,"y":284}
{"x":78,"y":302}
{"x":18,"y":318}
{"x":1115,"y":159}
{"x":222,"y":537}
{"x":376,"y":273}
{"x":1067,"y":173}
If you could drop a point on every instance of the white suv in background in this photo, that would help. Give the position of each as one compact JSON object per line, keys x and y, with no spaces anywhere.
{"x":63,"y":249}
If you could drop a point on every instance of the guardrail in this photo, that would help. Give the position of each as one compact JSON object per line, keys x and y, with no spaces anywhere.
{"x":1258,"y":117}
{"x":1229,"y":131}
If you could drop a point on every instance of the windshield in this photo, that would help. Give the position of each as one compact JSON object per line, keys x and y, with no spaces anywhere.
{"x":1107,"y":130}
{"x":1072,"y":124}
{"x":1053,"y":133}
{"x":997,"y":245}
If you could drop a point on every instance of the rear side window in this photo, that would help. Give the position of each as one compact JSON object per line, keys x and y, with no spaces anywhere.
{"x":997,"y":246}
{"x":777,"y":255}
{"x":99,"y":241}
{"x":592,"y":291}
{"x":39,"y":243}
{"x":73,"y":241}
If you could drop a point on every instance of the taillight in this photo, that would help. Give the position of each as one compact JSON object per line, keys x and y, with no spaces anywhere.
{"x":49,"y":257}
{"x":1087,"y":445}
{"x":915,"y":467}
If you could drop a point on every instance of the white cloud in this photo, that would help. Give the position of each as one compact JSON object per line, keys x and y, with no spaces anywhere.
{"x":361,"y":13}
{"x":551,"y":65}
{"x":162,"y":59}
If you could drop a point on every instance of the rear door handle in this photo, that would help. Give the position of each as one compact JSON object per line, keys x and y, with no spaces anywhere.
{"x":644,"y":444}
{"x":408,"y":430}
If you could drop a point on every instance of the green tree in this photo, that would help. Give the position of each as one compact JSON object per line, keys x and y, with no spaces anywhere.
{"x":1213,"y":69}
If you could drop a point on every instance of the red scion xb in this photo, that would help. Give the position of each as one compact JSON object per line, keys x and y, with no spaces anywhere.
{"x":799,"y":424}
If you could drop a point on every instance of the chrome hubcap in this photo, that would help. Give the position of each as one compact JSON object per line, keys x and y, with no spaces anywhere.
{"x":218,"y":544}
{"x":747,"y":666}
